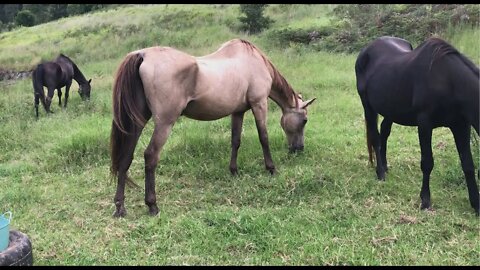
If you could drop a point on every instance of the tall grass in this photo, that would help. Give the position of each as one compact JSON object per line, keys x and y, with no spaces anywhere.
{"x":324,"y":207}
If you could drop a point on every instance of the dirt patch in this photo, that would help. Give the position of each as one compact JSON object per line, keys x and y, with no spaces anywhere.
{"x":14,"y":75}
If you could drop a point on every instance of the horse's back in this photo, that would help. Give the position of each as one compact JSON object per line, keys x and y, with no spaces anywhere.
{"x":400,"y":83}
{"x":213,"y":86}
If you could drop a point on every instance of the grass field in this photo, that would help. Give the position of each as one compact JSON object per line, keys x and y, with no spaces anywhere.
{"x":324,"y":207}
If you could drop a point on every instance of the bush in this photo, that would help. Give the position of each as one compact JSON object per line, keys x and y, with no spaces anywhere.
{"x":25,"y":18}
{"x":285,"y":36}
{"x":357,"y":25}
{"x":254,"y":21}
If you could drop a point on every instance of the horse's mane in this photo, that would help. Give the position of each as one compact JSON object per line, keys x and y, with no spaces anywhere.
{"x":78,"y":75}
{"x":441,"y":48}
{"x":278,"y":81}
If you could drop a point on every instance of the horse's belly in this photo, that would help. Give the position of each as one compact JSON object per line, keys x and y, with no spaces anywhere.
{"x":211,"y":110}
{"x":396,"y":109}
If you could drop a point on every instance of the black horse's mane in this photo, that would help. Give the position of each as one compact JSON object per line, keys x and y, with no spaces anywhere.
{"x":442,"y":48}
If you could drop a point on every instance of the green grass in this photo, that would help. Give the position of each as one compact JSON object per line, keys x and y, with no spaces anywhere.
{"x":324,"y":207}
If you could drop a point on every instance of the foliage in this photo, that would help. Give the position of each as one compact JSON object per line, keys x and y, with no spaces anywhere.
{"x":253,"y":20}
{"x":25,"y":18}
{"x":284,"y":36}
{"x":41,"y":13}
{"x":358,"y":24}
{"x":354,"y":26}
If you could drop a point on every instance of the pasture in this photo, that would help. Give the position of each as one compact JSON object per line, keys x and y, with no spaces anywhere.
{"x":323,"y":207}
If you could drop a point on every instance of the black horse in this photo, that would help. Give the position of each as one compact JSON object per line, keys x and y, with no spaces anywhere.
{"x":55,"y":75}
{"x":431,"y":86}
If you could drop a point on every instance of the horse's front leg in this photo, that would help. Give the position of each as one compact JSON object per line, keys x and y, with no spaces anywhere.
{"x":152,"y":155}
{"x":426,"y":163}
{"x":461,"y":134}
{"x":237,"y":122}
{"x":260,"y":113}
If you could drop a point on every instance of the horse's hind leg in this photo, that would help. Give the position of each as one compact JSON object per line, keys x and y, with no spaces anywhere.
{"x":59,"y":93}
{"x":151,"y":155}
{"x":48,"y":99}
{"x":385,"y":129}
{"x":67,"y":93}
{"x":373,"y":138}
{"x":237,"y":122}
{"x":37,"y":99}
{"x":461,"y":134}
{"x":426,"y":163}
{"x":260,"y":113}
{"x":124,"y":164}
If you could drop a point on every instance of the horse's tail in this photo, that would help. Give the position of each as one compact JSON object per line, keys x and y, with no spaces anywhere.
{"x":360,"y":67}
{"x":37,"y":82}
{"x":128,"y":108}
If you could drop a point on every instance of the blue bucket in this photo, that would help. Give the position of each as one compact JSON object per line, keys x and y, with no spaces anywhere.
{"x":4,"y":230}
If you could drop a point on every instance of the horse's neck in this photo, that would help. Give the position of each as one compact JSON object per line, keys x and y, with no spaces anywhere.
{"x":278,"y":95}
{"x":78,"y":75}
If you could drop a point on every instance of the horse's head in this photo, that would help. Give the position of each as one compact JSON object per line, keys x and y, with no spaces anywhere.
{"x":84,"y":90}
{"x":293,"y":122}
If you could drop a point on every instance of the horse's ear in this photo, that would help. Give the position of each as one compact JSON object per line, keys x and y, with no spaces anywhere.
{"x":89,"y":81}
{"x":306,"y":103}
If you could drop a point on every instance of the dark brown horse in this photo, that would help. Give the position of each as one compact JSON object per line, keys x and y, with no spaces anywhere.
{"x":164,"y":83}
{"x":431,"y":86}
{"x":55,"y":75}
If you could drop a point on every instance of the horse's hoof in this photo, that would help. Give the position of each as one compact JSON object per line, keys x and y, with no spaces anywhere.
{"x":477,"y":213}
{"x":234,"y":171}
{"x":120,"y":213}
{"x":425,"y":206}
{"x":272,"y":170}
{"x":153,"y":210}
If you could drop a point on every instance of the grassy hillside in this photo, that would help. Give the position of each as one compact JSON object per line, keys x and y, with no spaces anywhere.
{"x":324,"y":207}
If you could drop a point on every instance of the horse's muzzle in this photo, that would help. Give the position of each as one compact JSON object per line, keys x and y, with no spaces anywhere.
{"x":295,"y":149}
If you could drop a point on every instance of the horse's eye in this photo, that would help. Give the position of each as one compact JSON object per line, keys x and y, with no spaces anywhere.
{"x":305,"y":121}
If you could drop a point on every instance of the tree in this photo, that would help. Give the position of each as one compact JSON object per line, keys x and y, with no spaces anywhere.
{"x":254,"y":21}
{"x":25,"y":18}
{"x":57,"y":11}
{"x":39,"y":11}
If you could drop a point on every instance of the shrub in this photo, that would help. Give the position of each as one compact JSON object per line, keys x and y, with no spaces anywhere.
{"x":357,"y":25}
{"x":25,"y":18}
{"x":254,"y":21}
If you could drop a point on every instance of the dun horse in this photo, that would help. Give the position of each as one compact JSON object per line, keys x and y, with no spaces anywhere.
{"x":55,"y":75}
{"x":431,"y":86}
{"x":163,"y":83}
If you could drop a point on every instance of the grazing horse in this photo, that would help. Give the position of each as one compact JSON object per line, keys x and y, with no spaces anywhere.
{"x":431,"y":86}
{"x":55,"y":75}
{"x":163,"y":83}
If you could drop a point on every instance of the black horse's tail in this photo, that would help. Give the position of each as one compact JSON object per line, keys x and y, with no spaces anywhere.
{"x":37,"y":81}
{"x":128,"y":109}
{"x":360,"y":67}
